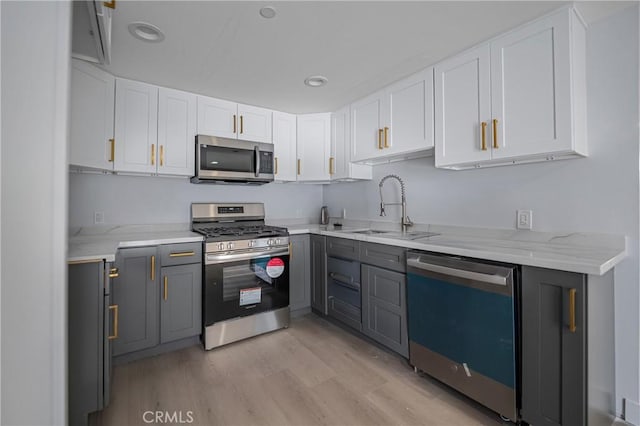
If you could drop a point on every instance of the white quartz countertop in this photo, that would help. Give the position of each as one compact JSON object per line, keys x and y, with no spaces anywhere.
{"x":575,"y":252}
{"x":102,"y":243}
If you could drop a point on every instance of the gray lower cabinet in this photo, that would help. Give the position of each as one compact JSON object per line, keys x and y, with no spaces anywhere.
{"x":384,"y":308}
{"x":299,"y":273}
{"x":180,"y":306}
{"x":318,"y":273}
{"x":553,"y":347}
{"x":135,"y":292}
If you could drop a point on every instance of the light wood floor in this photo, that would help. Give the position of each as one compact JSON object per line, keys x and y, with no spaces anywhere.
{"x":313,"y":373}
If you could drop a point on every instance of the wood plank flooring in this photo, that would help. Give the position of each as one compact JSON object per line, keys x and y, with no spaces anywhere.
{"x":313,"y":373}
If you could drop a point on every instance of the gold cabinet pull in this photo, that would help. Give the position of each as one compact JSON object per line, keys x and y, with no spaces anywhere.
{"x":153,"y":154}
{"x":386,"y":137}
{"x":572,"y":310}
{"x":112,"y":154}
{"x":241,"y":124}
{"x":114,"y":308}
{"x":495,"y":133}
{"x":110,"y":4}
{"x":182,"y":254}
{"x":153,"y":268}
{"x":332,"y":165}
{"x":162,"y":155}
{"x":166,"y":287}
{"x":276,"y":161}
{"x":379,"y":138}
{"x":114,"y":273}
{"x":234,"y":124}
{"x":299,"y":165}
{"x":483,"y":138}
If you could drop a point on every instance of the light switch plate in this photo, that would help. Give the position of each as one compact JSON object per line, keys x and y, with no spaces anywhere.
{"x":524,"y":219}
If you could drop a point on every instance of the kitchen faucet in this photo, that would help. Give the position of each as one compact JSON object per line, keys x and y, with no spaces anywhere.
{"x":406,"y":222}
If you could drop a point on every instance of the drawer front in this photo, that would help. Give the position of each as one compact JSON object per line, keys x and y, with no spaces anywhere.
{"x":345,"y":313}
{"x":342,"y":247}
{"x":341,"y":270}
{"x":180,"y":254}
{"x":383,"y":256}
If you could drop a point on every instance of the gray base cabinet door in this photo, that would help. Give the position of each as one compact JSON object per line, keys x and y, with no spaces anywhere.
{"x":553,"y":347}
{"x":299,"y":273}
{"x":135,"y":292}
{"x":384,"y":308}
{"x":181,"y":302}
{"x":318,"y":273}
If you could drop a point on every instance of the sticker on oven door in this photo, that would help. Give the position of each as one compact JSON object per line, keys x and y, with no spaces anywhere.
{"x":275,"y":267}
{"x":250,"y":296}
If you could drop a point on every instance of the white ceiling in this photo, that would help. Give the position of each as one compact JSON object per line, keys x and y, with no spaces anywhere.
{"x":227,"y":50}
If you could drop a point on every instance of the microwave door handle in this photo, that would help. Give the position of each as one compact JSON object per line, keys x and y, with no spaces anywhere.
{"x":256,"y":151}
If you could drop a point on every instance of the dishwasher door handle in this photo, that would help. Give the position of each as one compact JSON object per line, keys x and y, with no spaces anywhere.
{"x":459,"y":273}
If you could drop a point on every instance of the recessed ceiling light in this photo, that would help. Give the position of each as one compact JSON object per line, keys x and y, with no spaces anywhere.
{"x":316,"y":81}
{"x":146,"y":32}
{"x":267,"y":12}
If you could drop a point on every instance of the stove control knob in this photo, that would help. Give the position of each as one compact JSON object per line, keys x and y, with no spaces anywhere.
{"x":277,"y":241}
{"x":251,"y":243}
{"x":221,"y":246}
{"x":230,"y":246}
{"x":269,"y":242}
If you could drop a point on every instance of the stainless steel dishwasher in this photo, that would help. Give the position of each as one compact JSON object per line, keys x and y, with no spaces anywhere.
{"x":462,"y":326}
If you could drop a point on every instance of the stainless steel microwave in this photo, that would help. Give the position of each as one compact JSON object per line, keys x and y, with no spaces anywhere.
{"x":223,"y":160}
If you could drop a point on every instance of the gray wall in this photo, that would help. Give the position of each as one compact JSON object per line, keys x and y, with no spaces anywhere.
{"x":147,"y":200}
{"x":35,"y":71}
{"x":596,"y":194}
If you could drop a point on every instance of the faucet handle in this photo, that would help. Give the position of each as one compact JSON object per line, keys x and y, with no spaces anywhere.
{"x":382,"y":212}
{"x":408,"y":222}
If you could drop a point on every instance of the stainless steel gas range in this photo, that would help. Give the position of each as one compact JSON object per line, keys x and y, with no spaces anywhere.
{"x":246,"y":272}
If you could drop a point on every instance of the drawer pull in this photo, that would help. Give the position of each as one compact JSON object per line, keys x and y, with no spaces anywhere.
{"x":114,"y":273}
{"x":182,"y":254}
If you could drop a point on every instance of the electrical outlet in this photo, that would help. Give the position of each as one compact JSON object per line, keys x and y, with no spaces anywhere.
{"x":524,"y":219}
{"x":98,"y":217}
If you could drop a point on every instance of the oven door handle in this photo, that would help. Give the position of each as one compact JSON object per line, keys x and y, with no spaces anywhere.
{"x":256,"y":151}
{"x":255,"y":254}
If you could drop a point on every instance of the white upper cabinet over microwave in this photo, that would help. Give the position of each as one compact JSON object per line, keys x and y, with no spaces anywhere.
{"x":395,"y":123}
{"x":217,"y":117}
{"x":519,"y":98}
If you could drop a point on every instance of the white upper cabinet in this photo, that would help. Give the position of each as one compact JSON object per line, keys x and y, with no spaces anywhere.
{"x":340,"y":165}
{"x":136,"y":127}
{"x":284,"y":146}
{"x":217,"y":117}
{"x":176,"y":132}
{"x":91,"y":117}
{"x":313,"y":146}
{"x":519,"y":98}
{"x":395,"y":123}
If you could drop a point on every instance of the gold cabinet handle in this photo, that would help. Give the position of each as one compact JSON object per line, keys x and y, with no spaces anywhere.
{"x":234,"y":124}
{"x":114,"y":273}
{"x":483,"y":138}
{"x":379,"y":138}
{"x":114,"y":308}
{"x":112,"y":155}
{"x":276,"y":161}
{"x":241,"y":124}
{"x":153,"y":154}
{"x":110,"y":4}
{"x":182,"y":254}
{"x":572,"y":310}
{"x":166,"y":287}
{"x":162,"y":155}
{"x":332,"y":165}
{"x":299,"y":165}
{"x":153,"y":268}
{"x":386,"y":137}
{"x":495,"y":133}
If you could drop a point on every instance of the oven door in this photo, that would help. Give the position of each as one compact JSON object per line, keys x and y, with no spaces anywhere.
{"x":228,"y":159}
{"x":237,"y":285}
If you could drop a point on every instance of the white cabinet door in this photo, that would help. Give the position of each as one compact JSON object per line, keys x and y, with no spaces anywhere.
{"x":340,"y":157}
{"x":136,"y":128}
{"x":408,"y":115}
{"x":284,"y":146}
{"x":92,"y":110}
{"x":176,"y":132}
{"x":530,"y":89}
{"x":313,"y":141}
{"x":217,"y":117}
{"x":463,"y":103}
{"x":254,"y":123}
{"x":366,"y":129}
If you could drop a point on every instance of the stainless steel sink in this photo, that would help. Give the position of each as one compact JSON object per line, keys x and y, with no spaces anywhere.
{"x":413,"y":235}
{"x":370,"y":232}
